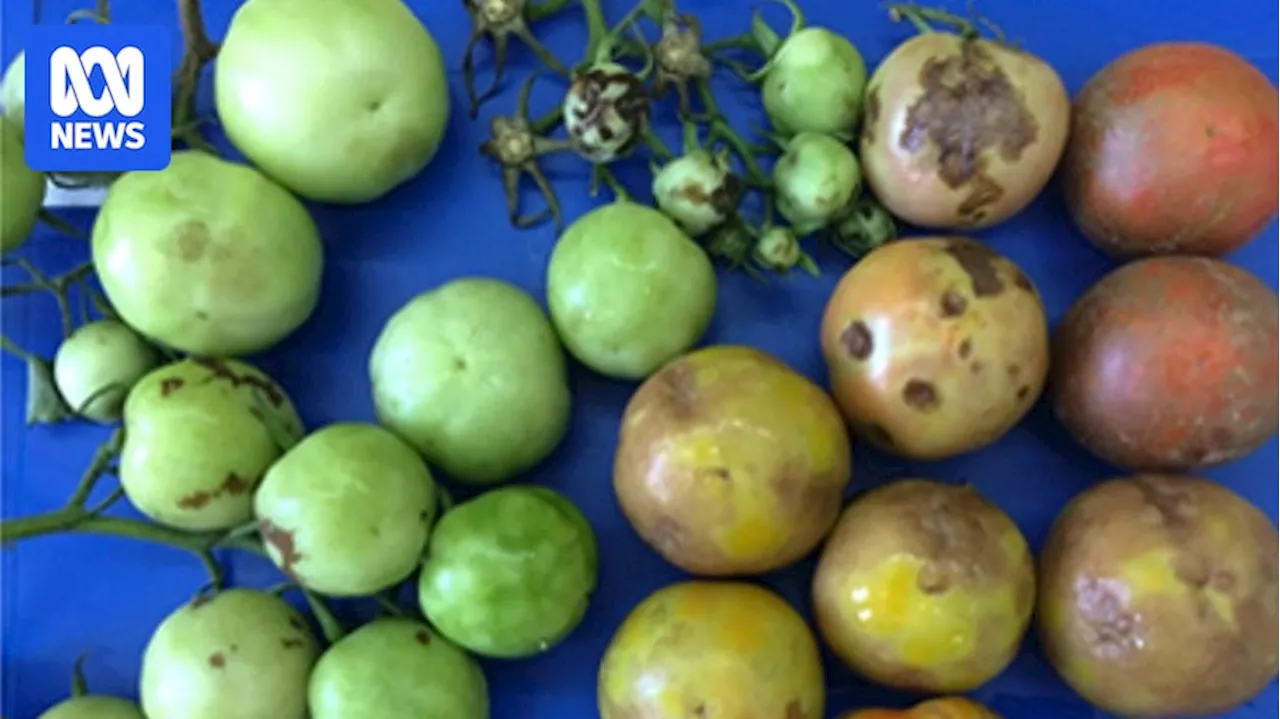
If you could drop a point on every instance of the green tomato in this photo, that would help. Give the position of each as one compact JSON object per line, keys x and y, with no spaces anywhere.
{"x":698,"y":190}
{"x":94,"y":706}
{"x":240,"y":653}
{"x":347,"y":511}
{"x":199,"y":435}
{"x":338,"y":100}
{"x":207,"y":256}
{"x":13,"y":91}
{"x":96,"y":366}
{"x":510,"y":573}
{"x":21,"y":190}
{"x":473,"y":376}
{"x":628,"y":290}
{"x":396,"y":669}
{"x":817,"y":180}
{"x":815,"y":83}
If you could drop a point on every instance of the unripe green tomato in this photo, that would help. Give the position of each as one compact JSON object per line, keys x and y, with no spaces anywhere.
{"x":13,"y":91}
{"x":340,"y":101}
{"x":815,"y":83}
{"x":397,"y":669}
{"x":817,"y":180}
{"x":96,"y":366}
{"x":628,"y":290}
{"x":347,"y":511}
{"x":239,"y":654}
{"x":697,"y":190}
{"x":473,"y":375}
{"x":199,"y":435}
{"x":208,"y":257}
{"x":94,"y":706}
{"x":510,"y":573}
{"x":21,"y":190}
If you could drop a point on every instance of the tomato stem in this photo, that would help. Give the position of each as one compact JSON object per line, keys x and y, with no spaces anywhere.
{"x":597,"y":29}
{"x":79,"y":686}
{"x":330,"y":627}
{"x":537,"y":12}
{"x":198,"y":51}
{"x":911,"y":13}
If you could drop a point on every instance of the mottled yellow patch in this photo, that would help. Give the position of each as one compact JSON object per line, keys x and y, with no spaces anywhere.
{"x":1155,"y":573}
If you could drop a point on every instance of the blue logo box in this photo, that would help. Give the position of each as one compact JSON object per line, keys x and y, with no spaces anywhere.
{"x":98,"y":98}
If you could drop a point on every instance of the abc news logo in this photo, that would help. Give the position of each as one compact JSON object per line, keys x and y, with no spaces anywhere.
{"x":71,"y":92}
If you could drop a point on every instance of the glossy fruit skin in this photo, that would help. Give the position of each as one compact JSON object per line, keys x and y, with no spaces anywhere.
{"x":961,"y":134}
{"x":731,"y":463}
{"x":238,"y":653}
{"x":510,"y":573}
{"x":393,"y":669}
{"x":925,"y":587}
{"x":935,"y":346}
{"x":628,"y":290}
{"x":347,"y":510}
{"x":817,"y":180}
{"x":732,"y":648}
{"x":93,"y":706}
{"x":207,"y":257}
{"x":338,"y":100}
{"x":22,"y":190}
{"x":1173,"y":150}
{"x":815,"y":83}
{"x":940,"y":708}
{"x":1169,"y":363}
{"x":96,"y":366}
{"x":199,"y":435}
{"x":472,"y":375}
{"x":1158,"y":597}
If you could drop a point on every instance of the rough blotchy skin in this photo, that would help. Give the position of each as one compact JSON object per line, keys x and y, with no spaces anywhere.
{"x":731,"y":463}
{"x":1173,"y":149}
{"x":1169,"y":363}
{"x":1158,"y":597}
{"x":925,"y":587}
{"x":712,"y":649}
{"x":935,"y":346}
{"x":961,"y":133}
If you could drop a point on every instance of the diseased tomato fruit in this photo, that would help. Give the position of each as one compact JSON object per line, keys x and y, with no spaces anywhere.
{"x":935,"y":346}
{"x":1169,"y":363}
{"x":22,"y":190}
{"x":1174,"y":150}
{"x":199,"y":435}
{"x":731,"y":463}
{"x":961,"y":133}
{"x":940,"y":708}
{"x":208,"y":257}
{"x":338,"y":100}
{"x":714,"y":649}
{"x":1158,"y":597}
{"x":93,"y":706}
{"x":925,"y":587}
{"x":238,"y":653}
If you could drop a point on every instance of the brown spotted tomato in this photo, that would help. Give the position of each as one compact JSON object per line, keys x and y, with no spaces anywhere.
{"x":961,"y":132}
{"x":935,"y":346}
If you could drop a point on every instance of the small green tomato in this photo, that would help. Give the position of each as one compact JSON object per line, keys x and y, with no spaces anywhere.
{"x":347,"y":511}
{"x":698,"y":190}
{"x":473,"y":375}
{"x":779,"y":249}
{"x":13,"y":91}
{"x":340,"y":101}
{"x":21,"y":190}
{"x":510,"y":573}
{"x":208,"y":257}
{"x":239,"y":653}
{"x":628,"y":290}
{"x":867,"y":226}
{"x":815,"y":83}
{"x":93,"y":706}
{"x":199,"y":435}
{"x":96,"y":366}
{"x":396,"y":669}
{"x":817,"y":179}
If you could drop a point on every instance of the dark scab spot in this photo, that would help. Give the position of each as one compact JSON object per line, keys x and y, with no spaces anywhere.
{"x":1023,"y":391}
{"x":794,"y":710}
{"x":169,"y":384}
{"x":975,"y":367}
{"x":965,"y":349}
{"x":722,"y":474}
{"x":423,"y":637}
{"x":1013,"y":371}
{"x":459,"y":364}
{"x":217,"y":660}
{"x":283,"y":542}
{"x":373,"y":105}
{"x":920,"y":395}
{"x":297,"y":623}
{"x":291,"y":643}
{"x":978,"y":262}
{"x":1023,"y":282}
{"x":872,"y":114}
{"x":700,"y":711}
{"x":857,"y":340}
{"x":953,"y":304}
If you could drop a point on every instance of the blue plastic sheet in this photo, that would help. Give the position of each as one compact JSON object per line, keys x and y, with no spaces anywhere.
{"x":71,"y":595}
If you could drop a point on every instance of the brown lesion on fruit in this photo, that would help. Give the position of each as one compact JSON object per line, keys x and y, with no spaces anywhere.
{"x":857,"y":340}
{"x":191,"y":238}
{"x":794,"y":710}
{"x":677,"y":386}
{"x":1023,"y":391}
{"x":953,"y":304}
{"x":976,"y":367}
{"x":979,"y":262}
{"x":921,"y":395}
{"x":721,"y":473}
{"x":965,"y":349}
{"x":217,"y":660}
{"x":723,"y":200}
{"x":219,"y":370}
{"x":1023,"y":282}
{"x":283,"y":542}
{"x":169,"y":385}
{"x":232,"y":485}
{"x":871,"y":114}
{"x":297,"y":623}
{"x":423,"y":637}
{"x":291,"y":643}
{"x":666,"y":535}
{"x":969,"y":107}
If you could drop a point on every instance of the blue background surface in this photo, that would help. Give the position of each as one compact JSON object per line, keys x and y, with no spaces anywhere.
{"x":63,"y":596}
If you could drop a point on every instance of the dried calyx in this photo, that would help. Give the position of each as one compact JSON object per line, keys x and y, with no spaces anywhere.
{"x":678,"y":56}
{"x":516,"y":143}
{"x":921,"y":17}
{"x":500,"y":20}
